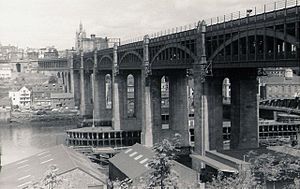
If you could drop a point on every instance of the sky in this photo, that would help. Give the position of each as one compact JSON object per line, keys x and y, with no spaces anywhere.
{"x":41,"y":23}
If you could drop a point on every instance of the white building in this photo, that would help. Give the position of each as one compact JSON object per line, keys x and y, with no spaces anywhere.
{"x":5,"y":71}
{"x":21,"y":98}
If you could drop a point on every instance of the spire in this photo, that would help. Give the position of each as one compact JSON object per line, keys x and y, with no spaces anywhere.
{"x":80,"y":26}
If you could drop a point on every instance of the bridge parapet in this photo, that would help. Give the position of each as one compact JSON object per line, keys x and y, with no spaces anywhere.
{"x":56,"y":64}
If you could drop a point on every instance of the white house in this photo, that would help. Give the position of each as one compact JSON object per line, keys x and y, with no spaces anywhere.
{"x":5,"y":71}
{"x":21,"y":98}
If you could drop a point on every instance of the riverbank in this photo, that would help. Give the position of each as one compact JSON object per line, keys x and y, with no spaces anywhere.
{"x":70,"y":117}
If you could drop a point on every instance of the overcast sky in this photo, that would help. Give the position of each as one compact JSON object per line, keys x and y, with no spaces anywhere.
{"x":40,"y":23}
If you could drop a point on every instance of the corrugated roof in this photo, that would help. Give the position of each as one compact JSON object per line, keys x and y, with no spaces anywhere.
{"x":29,"y":170}
{"x":133,"y":161}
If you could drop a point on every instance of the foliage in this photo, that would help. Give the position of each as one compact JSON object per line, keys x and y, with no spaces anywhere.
{"x":161,"y":174}
{"x":263,"y":168}
{"x":273,"y":168}
{"x":294,"y":185}
{"x":52,"y":79}
{"x":242,"y":180}
{"x":49,"y":181}
{"x":118,"y":184}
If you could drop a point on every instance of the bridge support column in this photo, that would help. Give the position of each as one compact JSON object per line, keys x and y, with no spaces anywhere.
{"x":88,"y":94}
{"x":200,"y":100}
{"x":66,"y":82}
{"x":85,"y":91}
{"x":214,"y":98}
{"x":178,"y":109}
{"x":82,"y":87}
{"x":97,"y":92}
{"x":244,"y":110}
{"x":147,"y":127}
{"x":115,"y":92}
{"x":155,"y":107}
{"x":116,"y":104}
{"x":75,"y":78}
{"x":72,"y":76}
{"x":147,"y":123}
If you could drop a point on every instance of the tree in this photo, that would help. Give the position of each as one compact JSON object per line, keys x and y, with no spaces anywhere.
{"x":264,"y":168}
{"x":49,"y":181}
{"x":274,"y":168}
{"x":52,"y":79}
{"x":161,"y":174}
{"x":244,"y":179}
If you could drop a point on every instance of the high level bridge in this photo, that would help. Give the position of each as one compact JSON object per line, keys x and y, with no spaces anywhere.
{"x":234,"y":47}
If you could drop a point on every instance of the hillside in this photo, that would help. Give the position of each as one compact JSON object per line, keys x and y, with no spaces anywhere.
{"x":18,"y":80}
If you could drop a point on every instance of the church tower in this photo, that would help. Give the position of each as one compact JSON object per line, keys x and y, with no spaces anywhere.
{"x":80,"y":35}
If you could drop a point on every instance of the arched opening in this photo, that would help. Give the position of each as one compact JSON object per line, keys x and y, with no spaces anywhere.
{"x":226,"y":89}
{"x":130,"y":96}
{"x":63,"y":78}
{"x":164,"y":84}
{"x":226,"y":94}
{"x":108,"y":102}
{"x":18,"y":66}
{"x":191,"y":108}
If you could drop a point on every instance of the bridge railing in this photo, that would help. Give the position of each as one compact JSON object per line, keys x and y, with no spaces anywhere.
{"x":250,"y":12}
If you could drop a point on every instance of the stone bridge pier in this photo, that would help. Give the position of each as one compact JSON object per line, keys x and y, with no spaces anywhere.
{"x":169,"y":106}
{"x":208,"y":101}
{"x":86,"y":92}
{"x":103,"y":93}
{"x":244,"y":109}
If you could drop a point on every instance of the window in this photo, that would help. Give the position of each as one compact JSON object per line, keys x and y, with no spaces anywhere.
{"x":130,"y":96}
{"x":164,"y":102}
{"x":108,"y":102}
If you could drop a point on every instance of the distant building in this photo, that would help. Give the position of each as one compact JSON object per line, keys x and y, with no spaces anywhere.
{"x":11,"y":53}
{"x":5,"y":71}
{"x":59,"y":100}
{"x":41,"y":94}
{"x":131,"y":164}
{"x":21,"y":97}
{"x":73,"y":169}
{"x":32,"y":54}
{"x":89,"y":44}
{"x":283,"y":84}
{"x":48,"y":53}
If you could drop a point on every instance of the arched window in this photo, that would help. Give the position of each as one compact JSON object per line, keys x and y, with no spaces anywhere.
{"x":164,"y":102}
{"x":130,"y":96}
{"x":226,"y":90}
{"x":108,"y":102}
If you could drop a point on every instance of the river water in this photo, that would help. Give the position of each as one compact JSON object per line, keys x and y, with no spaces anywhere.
{"x":18,"y":141}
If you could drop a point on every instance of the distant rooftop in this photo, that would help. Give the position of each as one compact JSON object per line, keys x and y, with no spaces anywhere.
{"x":61,"y":95}
{"x":30,"y":170}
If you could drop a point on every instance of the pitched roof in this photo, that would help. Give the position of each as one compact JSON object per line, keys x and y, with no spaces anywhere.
{"x":32,"y":169}
{"x":133,"y":161}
